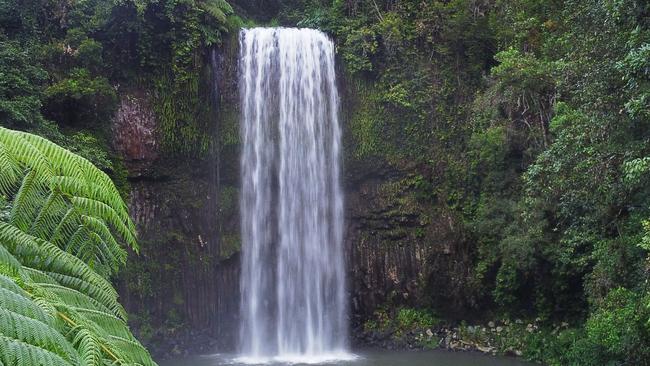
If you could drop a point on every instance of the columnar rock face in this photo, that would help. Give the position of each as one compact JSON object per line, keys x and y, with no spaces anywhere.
{"x":403,"y":250}
{"x":173,"y":201}
{"x":181,"y":291}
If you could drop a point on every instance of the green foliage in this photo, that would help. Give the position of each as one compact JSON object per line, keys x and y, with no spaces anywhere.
{"x":176,"y":42}
{"x":413,"y":320}
{"x":401,"y":321}
{"x":366,"y":124}
{"x":620,"y":326}
{"x":360,"y":45}
{"x":615,"y":334}
{"x":183,"y":118}
{"x":59,"y":243}
{"x":20,"y":86}
{"x":81,"y":99}
{"x":91,"y":49}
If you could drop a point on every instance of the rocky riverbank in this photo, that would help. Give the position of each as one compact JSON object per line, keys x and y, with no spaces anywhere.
{"x":504,"y":337}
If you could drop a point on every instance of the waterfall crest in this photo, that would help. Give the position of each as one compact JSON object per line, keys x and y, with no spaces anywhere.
{"x":293,"y":281}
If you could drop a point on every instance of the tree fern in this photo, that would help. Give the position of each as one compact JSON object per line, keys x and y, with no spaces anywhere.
{"x":217,"y":9}
{"x":62,"y":238}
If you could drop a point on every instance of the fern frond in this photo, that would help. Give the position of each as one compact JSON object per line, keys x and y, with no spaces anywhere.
{"x":57,"y":250}
{"x":24,"y":152}
{"x":100,"y":228}
{"x":18,"y":353}
{"x":66,"y":227}
{"x":217,"y":9}
{"x":76,"y":321}
{"x":135,"y":352}
{"x":8,"y":263}
{"x":23,"y":305}
{"x":27,"y":200}
{"x":75,"y":298}
{"x":10,"y":172}
{"x":106,"y":298}
{"x":214,"y":11}
{"x":62,"y":266}
{"x":88,"y":345}
{"x":38,"y":276}
{"x":105,"y":212}
{"x":9,"y":283}
{"x":63,"y":170}
{"x":69,"y":164}
{"x":36,"y":333}
{"x":49,"y":216}
{"x":109,"y":323}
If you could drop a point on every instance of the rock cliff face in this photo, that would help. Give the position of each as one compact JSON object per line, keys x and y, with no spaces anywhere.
{"x":182,"y":290}
{"x":173,"y":284}
{"x":403,"y":249}
{"x":134,"y":132}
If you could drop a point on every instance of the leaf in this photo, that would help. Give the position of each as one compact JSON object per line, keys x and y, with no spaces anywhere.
{"x":62,"y":239}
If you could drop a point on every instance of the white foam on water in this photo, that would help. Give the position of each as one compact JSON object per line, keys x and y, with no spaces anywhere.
{"x":299,"y":359}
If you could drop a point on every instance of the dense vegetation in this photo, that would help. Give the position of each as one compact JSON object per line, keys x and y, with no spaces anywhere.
{"x":528,"y":119}
{"x":61,"y":222}
{"x":64,"y":65}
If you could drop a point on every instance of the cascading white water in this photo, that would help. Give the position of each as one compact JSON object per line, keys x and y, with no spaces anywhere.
{"x":292,"y":280}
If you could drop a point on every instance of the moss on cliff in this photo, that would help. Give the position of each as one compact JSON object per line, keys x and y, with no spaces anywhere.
{"x":184,"y":114}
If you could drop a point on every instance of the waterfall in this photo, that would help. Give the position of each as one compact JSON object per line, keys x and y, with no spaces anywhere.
{"x":292,"y":282}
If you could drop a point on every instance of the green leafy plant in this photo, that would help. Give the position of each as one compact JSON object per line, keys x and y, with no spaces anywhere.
{"x":61,"y":227}
{"x":414,"y":319}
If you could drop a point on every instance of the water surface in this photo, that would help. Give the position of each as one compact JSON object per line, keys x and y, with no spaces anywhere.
{"x":370,"y":358}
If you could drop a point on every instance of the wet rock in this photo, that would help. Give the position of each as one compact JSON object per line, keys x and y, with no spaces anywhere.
{"x":484,"y":349}
{"x":134,"y":132}
{"x":530,"y":328}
